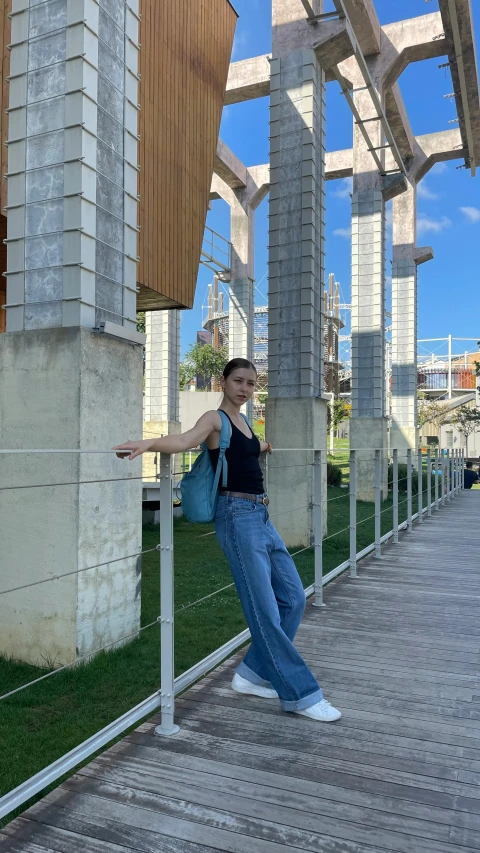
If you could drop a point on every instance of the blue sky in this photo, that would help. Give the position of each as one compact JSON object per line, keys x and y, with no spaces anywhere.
{"x":449,"y":198}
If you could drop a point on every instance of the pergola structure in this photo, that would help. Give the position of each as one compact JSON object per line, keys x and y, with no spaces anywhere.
{"x":349,"y":48}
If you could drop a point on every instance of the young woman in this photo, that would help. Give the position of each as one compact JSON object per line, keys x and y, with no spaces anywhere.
{"x":267,"y":582}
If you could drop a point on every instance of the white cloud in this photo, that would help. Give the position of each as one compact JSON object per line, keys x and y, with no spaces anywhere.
{"x":424,"y":192}
{"x":425,"y":223}
{"x":343,"y":232}
{"x":345,"y":188}
{"x":439,"y":168}
{"x":472,"y":213}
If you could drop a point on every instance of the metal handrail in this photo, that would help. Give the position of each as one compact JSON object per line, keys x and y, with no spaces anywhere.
{"x":451,"y":485}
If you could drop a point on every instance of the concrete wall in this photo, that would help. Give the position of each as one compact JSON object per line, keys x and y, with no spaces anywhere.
{"x":66,"y":388}
{"x":459,"y":440}
{"x":194,"y":404}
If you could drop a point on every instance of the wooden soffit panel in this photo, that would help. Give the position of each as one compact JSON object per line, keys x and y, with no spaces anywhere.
{"x":184,"y":61}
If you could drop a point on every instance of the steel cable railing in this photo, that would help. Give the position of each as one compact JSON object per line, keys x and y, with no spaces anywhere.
{"x":450,"y":485}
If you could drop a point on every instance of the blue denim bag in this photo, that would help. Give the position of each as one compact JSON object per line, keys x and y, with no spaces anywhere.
{"x":200,"y":486}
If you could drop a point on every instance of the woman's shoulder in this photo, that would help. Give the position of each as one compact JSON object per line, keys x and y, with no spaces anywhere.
{"x":214,"y":417}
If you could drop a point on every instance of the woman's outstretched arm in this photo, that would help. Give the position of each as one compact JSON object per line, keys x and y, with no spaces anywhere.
{"x":208,"y":423}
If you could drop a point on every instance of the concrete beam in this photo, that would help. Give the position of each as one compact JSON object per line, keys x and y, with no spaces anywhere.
{"x":464,"y":70}
{"x":428,"y":149}
{"x":229,"y":168}
{"x":365,"y":24}
{"x":248,"y":79}
{"x":437,"y":147}
{"x":217,"y":188}
{"x":422,"y":254}
{"x":399,"y":122}
{"x":409,"y":41}
{"x":338,"y":164}
{"x":259,"y":182}
{"x":334,"y":45}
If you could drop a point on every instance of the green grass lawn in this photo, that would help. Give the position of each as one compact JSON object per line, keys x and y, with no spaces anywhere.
{"x":42,"y":723}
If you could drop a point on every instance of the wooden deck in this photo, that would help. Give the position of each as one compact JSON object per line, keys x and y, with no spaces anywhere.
{"x":397,"y":650}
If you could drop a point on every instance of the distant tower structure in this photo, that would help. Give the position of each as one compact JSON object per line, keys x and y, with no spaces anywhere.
{"x":333,"y":325}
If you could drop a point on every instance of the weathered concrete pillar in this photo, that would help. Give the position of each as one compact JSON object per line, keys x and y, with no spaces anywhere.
{"x":296,"y":412}
{"x":161,"y":411}
{"x":243,"y":202}
{"x":368,"y":427}
{"x":404,"y":433}
{"x":406,"y":257}
{"x":242,"y":300}
{"x":72,"y":229}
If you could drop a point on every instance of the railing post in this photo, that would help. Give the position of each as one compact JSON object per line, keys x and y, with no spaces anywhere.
{"x":462,"y":475}
{"x":395,"y":497}
{"x":420,"y":487}
{"x":454,"y":472}
{"x":429,"y":482}
{"x":409,"y":490}
{"x":353,"y":514}
{"x":449,"y":497}
{"x":459,"y":471}
{"x":167,"y":669}
{"x":444,"y":481}
{"x":318,"y":527}
{"x":436,"y":480}
{"x":378,"y":505}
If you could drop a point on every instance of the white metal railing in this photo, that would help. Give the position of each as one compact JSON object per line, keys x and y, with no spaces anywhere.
{"x":448,"y":482}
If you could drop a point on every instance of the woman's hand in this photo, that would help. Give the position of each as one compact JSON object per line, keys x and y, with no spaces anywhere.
{"x":265,"y":447}
{"x":132,"y":449}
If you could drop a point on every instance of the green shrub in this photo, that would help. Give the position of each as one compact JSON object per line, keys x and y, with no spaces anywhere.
{"x":334,"y":475}
{"x":402,"y":479}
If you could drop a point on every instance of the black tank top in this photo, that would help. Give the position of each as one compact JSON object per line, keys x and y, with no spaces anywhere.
{"x":244,"y":472}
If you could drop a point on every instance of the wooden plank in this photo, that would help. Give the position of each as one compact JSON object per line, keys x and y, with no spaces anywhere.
{"x":381,"y":810}
{"x":131,"y":806}
{"x":350,"y":747}
{"x":136,"y":810}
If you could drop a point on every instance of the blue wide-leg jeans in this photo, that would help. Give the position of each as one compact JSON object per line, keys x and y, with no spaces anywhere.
{"x":273,"y":601}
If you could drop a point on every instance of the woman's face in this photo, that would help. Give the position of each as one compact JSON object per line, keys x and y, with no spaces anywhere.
{"x":240,"y":385}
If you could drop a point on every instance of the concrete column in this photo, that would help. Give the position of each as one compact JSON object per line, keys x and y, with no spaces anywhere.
{"x":406,"y":257}
{"x":72,"y":246}
{"x":162,"y":378}
{"x":368,"y":427}
{"x":242,"y":300}
{"x":243,"y":202}
{"x":296,"y":412}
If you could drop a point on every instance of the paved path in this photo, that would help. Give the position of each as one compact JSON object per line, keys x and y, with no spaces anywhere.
{"x":397,"y":650}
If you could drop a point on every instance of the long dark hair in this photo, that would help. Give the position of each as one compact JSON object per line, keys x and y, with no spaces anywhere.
{"x":237,"y":364}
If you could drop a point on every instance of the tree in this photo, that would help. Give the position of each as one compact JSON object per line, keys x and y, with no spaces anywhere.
{"x":431,"y":412}
{"x":467,"y":421}
{"x":141,"y":322}
{"x":342,"y":411}
{"x":185,"y":376}
{"x":203,"y":361}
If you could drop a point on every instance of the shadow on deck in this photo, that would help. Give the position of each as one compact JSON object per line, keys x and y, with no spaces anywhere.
{"x":397,"y":650}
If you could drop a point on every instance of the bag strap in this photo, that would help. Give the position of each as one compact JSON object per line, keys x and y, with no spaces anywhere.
{"x":222,"y":465}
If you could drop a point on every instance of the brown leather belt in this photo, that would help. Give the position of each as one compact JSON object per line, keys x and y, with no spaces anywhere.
{"x":261,"y":499}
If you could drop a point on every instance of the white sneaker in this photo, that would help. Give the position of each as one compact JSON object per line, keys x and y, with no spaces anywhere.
{"x":241,"y":685}
{"x":322,"y":712}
